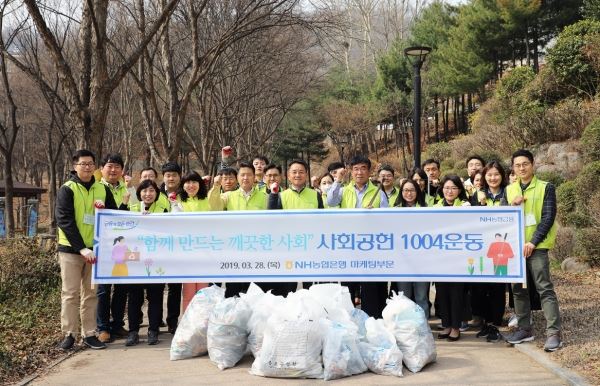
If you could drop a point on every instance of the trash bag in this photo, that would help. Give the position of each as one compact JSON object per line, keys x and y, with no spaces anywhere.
{"x":380,"y":352}
{"x":290,"y":349}
{"x":341,"y":355}
{"x":301,"y":305}
{"x":190,"y":339}
{"x":228,"y":332}
{"x":332,"y":296}
{"x":359,"y":317}
{"x":261,"y":311}
{"x":407,"y":321}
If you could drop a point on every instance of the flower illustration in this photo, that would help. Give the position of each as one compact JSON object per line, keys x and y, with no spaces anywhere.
{"x":148,"y":263}
{"x":471,"y":267}
{"x":160,"y":271}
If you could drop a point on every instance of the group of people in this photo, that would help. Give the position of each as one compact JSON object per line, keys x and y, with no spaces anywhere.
{"x":259,"y":186}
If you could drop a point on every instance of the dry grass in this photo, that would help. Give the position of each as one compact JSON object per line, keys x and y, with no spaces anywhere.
{"x":579,"y":300}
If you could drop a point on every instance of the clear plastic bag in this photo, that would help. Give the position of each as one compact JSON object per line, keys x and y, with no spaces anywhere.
{"x":341,"y":355}
{"x":379,"y":351}
{"x":228,"y":332}
{"x":190,"y":339}
{"x":408,"y":323}
{"x":261,"y":311}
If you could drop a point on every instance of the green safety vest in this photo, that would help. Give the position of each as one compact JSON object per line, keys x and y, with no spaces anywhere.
{"x":349,"y":196}
{"x":156,"y":207}
{"x":194,"y":204}
{"x":305,"y":199}
{"x":534,"y":193}
{"x":83,"y":203}
{"x":457,"y":202}
{"x":117,"y":191}
{"x":393,"y":197}
{"x":237,"y":201}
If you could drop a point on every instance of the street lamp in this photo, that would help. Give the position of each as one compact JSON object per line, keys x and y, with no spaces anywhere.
{"x":416,"y":56}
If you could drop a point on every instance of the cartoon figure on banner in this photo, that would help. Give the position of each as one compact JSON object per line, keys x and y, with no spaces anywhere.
{"x":121,"y":255}
{"x":500,"y":251}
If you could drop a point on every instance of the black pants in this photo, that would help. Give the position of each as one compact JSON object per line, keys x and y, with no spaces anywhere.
{"x":233,"y":289}
{"x":173,"y":304}
{"x":353,"y":288}
{"x":372,"y":297}
{"x":154,"y":293}
{"x":111,"y":301}
{"x":277,"y":289}
{"x":489,"y":300}
{"x":450,"y":297}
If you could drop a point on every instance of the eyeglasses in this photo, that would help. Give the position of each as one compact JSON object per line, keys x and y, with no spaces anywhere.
{"x":408,"y":191}
{"x":452,"y":188}
{"x":522,"y":166}
{"x":86,"y":164}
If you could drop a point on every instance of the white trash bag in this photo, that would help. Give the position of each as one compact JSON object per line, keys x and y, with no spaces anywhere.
{"x":380,"y":352}
{"x":341,"y":355}
{"x":190,"y":339}
{"x":228,"y":332}
{"x":407,"y":321}
{"x":359,"y":317}
{"x":261,"y":311}
{"x":290,"y":349}
{"x":332,"y":296}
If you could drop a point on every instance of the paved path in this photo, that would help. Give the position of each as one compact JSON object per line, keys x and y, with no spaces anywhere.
{"x":470,"y":361}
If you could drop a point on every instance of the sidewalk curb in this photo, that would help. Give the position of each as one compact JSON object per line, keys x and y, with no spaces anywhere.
{"x":26,"y":381}
{"x":543,"y":359}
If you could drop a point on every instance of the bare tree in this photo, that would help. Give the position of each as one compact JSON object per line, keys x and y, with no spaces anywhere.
{"x":89,"y":78}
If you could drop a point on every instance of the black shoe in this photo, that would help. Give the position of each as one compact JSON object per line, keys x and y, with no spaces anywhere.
{"x":133,"y":338}
{"x":443,"y":336}
{"x":454,"y":338}
{"x":485,"y":330}
{"x":93,"y":343}
{"x":493,"y":335}
{"x":67,"y":343}
{"x":119,"y":333}
{"x":152,"y":337}
{"x":172,"y":330}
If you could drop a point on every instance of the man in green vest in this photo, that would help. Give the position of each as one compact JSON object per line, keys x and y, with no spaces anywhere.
{"x":171,"y":172}
{"x":538,"y":199}
{"x":111,"y":168}
{"x":387,"y":179}
{"x":298,"y":196}
{"x":76,"y":202}
{"x":273,"y":174}
{"x":246,"y":197}
{"x":260,"y":162}
{"x":361,"y":193}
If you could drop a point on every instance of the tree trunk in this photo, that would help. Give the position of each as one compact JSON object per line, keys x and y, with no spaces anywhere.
{"x":445,"y":114}
{"x":8,"y":195}
{"x":437,"y":118}
{"x":464,"y":113}
{"x":536,"y":59}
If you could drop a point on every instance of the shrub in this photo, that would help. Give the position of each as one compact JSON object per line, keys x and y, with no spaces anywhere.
{"x":590,"y":141}
{"x":587,"y":244}
{"x":566,"y":202}
{"x":568,"y":60}
{"x":514,"y":81}
{"x":551,"y":176}
{"x":586,"y":183}
{"x":565,"y":244}
{"x":439,"y":151}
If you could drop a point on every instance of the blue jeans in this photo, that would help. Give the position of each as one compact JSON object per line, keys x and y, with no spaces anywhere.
{"x":419,"y":291}
{"x":106,"y":306}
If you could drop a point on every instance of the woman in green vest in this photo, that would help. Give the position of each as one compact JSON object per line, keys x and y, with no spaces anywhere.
{"x":411,"y":196}
{"x":147,"y":193}
{"x":192,"y":198}
{"x":488,"y":300}
{"x":451,"y":296}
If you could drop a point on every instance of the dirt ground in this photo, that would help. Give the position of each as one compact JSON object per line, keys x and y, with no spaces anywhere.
{"x":579,"y":301}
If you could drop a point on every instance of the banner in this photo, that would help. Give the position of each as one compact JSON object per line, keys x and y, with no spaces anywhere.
{"x":466,"y":244}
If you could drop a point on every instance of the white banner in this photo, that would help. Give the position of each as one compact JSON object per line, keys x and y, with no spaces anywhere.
{"x":466,"y":244}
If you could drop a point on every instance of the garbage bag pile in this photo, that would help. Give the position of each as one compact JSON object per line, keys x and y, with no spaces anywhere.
{"x":315,"y":333}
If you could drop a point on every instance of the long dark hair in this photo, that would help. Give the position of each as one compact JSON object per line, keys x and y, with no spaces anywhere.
{"x":192,"y":176}
{"x":494,"y":165}
{"x":456,"y":181}
{"x":400,"y":201}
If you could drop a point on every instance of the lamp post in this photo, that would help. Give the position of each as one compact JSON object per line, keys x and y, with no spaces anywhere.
{"x":416,"y":56}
